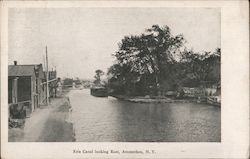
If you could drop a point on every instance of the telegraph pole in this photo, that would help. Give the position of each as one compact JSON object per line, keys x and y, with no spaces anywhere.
{"x":47,"y":78}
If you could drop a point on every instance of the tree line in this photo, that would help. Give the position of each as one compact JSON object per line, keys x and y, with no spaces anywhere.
{"x":157,"y":61}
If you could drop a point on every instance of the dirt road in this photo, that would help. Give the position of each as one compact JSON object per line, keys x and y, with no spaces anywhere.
{"x":47,"y":124}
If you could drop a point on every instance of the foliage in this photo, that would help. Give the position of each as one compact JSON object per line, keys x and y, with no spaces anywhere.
{"x":148,"y":62}
{"x":97,"y":77}
{"x":199,"y":67}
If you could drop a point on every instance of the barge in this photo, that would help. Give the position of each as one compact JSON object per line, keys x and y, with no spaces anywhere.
{"x":99,"y":91}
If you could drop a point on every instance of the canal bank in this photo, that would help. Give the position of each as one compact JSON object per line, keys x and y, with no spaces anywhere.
{"x":155,"y":99}
{"x":47,"y":124}
{"x":163,"y":99}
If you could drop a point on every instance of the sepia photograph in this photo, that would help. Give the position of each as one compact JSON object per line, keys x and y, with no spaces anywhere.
{"x":114,"y":75}
{"x":124,"y":79}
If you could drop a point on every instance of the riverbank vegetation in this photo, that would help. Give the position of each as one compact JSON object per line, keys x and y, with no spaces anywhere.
{"x":157,"y":61}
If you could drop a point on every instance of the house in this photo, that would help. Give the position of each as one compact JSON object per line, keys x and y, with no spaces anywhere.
{"x":211,"y":88}
{"x":203,"y":91}
{"x":25,"y":86}
{"x":192,"y":92}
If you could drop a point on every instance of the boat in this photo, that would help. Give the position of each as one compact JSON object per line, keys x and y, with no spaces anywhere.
{"x":214,"y":100}
{"x":99,"y":91}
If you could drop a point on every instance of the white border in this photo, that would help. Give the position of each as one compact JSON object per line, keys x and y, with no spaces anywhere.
{"x":235,"y":89}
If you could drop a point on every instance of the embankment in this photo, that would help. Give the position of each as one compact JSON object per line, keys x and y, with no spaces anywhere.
{"x":141,"y":99}
{"x":57,"y":127}
{"x":47,"y":124}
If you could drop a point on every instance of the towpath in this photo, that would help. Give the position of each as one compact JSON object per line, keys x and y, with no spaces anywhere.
{"x":46,"y":124}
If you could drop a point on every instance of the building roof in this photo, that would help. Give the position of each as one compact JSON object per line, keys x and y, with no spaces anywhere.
{"x":21,"y":70}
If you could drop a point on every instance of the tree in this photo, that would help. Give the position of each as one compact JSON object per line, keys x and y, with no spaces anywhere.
{"x":199,"y":67}
{"x":156,"y":60}
{"x":147,"y":56}
{"x":97,"y":77}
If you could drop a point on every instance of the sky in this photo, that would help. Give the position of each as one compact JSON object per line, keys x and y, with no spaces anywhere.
{"x":82,"y":40}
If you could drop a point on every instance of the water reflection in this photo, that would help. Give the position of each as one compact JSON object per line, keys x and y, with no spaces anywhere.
{"x":107,"y":119}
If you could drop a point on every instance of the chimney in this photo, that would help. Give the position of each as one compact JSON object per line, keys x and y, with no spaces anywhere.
{"x":15,"y":63}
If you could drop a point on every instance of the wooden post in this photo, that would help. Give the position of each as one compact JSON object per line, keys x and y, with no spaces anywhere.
{"x":15,"y":90}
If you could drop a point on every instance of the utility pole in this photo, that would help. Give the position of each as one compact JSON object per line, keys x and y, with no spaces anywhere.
{"x":47,"y":78}
{"x":44,"y":63}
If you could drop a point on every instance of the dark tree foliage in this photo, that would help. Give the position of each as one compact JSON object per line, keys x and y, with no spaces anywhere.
{"x":196,"y":68}
{"x":97,"y":77}
{"x":148,"y":62}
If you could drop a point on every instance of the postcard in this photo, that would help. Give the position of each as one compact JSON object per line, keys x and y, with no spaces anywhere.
{"x":124,"y":79}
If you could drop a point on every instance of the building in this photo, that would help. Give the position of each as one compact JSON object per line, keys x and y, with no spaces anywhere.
{"x":53,"y":83}
{"x":192,"y":92}
{"x":25,"y":87}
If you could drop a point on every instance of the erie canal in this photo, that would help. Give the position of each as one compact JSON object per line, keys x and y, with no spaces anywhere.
{"x":112,"y":120}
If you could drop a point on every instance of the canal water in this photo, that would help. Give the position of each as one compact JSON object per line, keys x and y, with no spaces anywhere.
{"x":97,"y":119}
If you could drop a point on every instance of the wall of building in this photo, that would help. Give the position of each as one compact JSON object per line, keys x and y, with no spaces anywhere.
{"x":24,"y":89}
